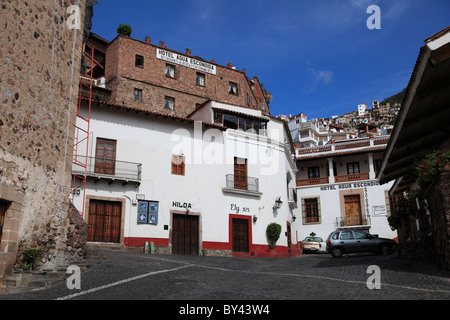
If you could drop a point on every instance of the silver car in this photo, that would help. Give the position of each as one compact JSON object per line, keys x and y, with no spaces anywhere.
{"x":353,"y":241}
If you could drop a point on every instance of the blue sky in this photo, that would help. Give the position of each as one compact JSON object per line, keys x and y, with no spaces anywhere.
{"x":314,"y":56}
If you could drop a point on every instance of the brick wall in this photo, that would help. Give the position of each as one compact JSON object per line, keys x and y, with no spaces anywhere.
{"x":39,"y":76}
{"x":123,"y":77}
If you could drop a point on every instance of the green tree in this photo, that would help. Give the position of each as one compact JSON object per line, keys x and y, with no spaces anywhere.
{"x":125,"y":30}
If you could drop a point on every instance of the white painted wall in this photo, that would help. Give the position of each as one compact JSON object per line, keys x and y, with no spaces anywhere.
{"x":151,"y":141}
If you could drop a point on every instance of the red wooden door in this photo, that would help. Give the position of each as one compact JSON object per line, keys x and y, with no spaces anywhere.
{"x":240,"y":173}
{"x":240,"y":235}
{"x":185,"y":234}
{"x":104,"y":223}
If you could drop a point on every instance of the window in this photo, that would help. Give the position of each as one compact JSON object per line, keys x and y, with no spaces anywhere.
{"x":313,"y":172}
{"x":230,"y":121}
{"x":200,"y":79}
{"x":311,"y":210}
{"x":218,"y":117}
{"x":178,"y":166}
{"x":245,"y":124}
{"x":147,"y":212}
{"x":169,"y":103}
{"x":360,"y":234}
{"x":346,"y":235}
{"x":137,"y":95}
{"x":170,"y":71}
{"x":353,"y":167}
{"x":376,"y":165}
{"x":241,"y":123}
{"x":233,"y":88}
{"x":139,"y":61}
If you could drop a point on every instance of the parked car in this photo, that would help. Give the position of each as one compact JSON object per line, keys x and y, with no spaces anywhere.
{"x":353,"y":241}
{"x":314,"y":244}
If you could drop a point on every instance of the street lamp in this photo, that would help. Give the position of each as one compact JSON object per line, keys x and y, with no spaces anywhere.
{"x":278,"y":203}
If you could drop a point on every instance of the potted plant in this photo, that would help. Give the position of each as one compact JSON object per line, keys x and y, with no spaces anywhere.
{"x":162,"y":43}
{"x":213,"y":60}
{"x":229,"y":65}
{"x":147,"y":39}
{"x":188,"y":51}
{"x":124,"y":30}
{"x":273,"y":232}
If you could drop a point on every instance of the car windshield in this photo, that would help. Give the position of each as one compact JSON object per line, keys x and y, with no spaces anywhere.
{"x":315,"y":239}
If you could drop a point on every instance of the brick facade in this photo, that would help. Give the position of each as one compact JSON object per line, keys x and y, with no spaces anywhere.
{"x":123,"y":76}
{"x":40,"y":60}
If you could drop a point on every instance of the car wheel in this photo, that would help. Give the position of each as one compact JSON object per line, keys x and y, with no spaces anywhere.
{"x":337,"y":252}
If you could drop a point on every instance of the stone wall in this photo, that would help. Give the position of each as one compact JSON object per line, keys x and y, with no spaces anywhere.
{"x":425,"y":233}
{"x":438,"y":198}
{"x":40,"y":59}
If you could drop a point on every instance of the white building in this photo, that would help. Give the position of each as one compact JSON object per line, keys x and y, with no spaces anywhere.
{"x":362,"y":109}
{"x":209,"y":183}
{"x":337,"y":188}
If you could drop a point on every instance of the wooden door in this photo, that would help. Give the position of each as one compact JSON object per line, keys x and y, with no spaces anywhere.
{"x":352,"y":210}
{"x":288,"y":233}
{"x":105,"y":218}
{"x":185,"y":234}
{"x":105,"y":156}
{"x":3,"y":206}
{"x":240,"y":173}
{"x":240,"y":234}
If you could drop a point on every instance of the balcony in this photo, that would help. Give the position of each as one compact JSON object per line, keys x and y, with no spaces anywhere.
{"x":107,"y":169}
{"x":352,"y":222}
{"x":312,"y":181}
{"x":352,"y":177}
{"x":246,"y":185}
{"x":292,"y":198}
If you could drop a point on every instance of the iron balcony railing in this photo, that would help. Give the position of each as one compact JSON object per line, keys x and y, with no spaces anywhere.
{"x":244,"y":183}
{"x":107,"y":168}
{"x":352,"y":221}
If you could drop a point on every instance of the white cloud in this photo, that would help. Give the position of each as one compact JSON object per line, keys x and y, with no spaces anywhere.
{"x":318,"y":78}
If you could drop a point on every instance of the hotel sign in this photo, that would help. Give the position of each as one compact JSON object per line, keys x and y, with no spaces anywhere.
{"x":182,"y":60}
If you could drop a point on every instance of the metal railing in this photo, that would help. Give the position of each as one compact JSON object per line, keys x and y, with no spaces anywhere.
{"x":108,"y":168}
{"x":352,"y":221}
{"x":252,"y":184}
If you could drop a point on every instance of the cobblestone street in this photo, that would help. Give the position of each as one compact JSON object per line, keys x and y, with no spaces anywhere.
{"x":133,"y":276}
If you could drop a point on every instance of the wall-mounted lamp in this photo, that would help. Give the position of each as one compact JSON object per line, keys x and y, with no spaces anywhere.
{"x":255,"y":218}
{"x":278,"y":203}
{"x":293,"y":218}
